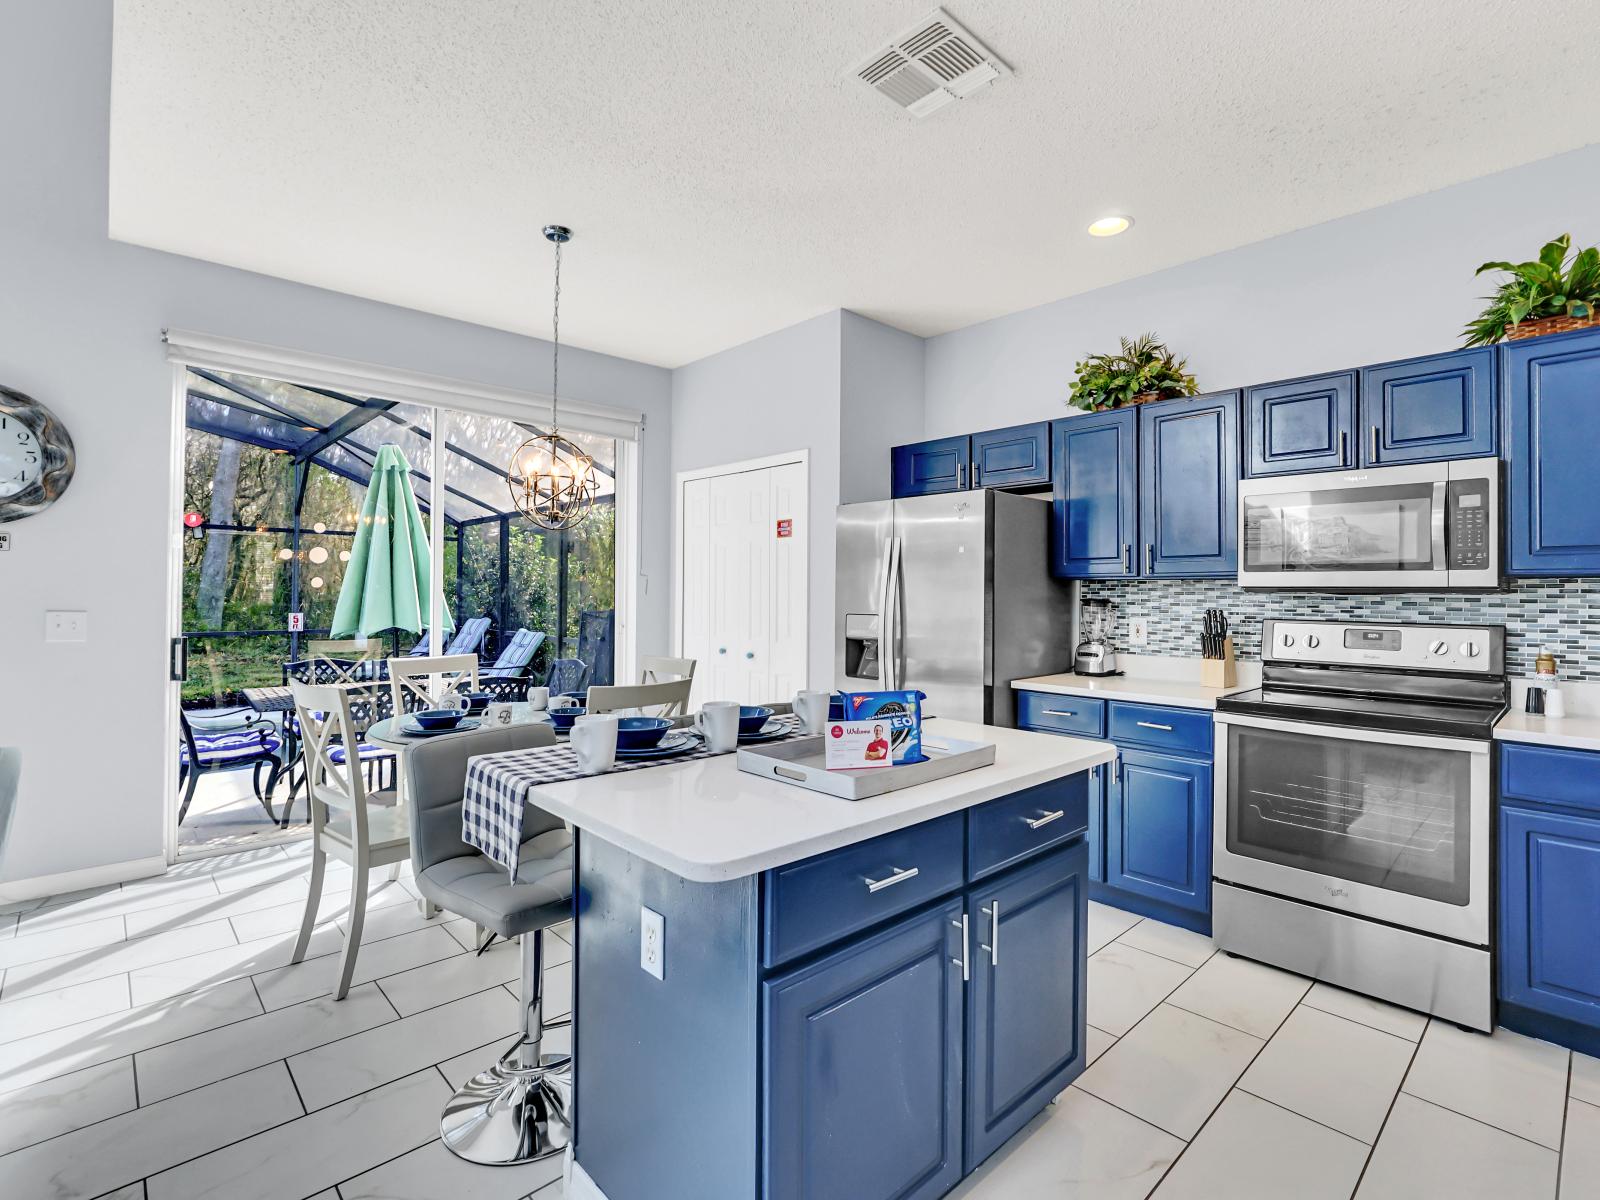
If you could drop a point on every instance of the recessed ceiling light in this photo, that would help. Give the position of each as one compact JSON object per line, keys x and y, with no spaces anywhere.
{"x":1109,"y":226}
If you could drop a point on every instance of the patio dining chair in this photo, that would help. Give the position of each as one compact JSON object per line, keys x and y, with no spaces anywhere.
{"x":369,"y":703}
{"x":253,"y":744}
{"x":517,"y":656}
{"x":411,"y":685}
{"x":362,"y":829}
{"x":566,"y":675}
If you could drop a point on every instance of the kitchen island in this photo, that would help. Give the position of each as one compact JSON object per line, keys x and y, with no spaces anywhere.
{"x":856,"y":999}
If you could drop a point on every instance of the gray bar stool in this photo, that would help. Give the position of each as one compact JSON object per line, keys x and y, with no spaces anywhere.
{"x":519,"y":1108}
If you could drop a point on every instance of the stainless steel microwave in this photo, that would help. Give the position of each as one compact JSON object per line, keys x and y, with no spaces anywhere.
{"x":1428,"y":527}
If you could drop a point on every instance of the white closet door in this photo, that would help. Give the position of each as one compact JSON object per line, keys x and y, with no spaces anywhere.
{"x":790,"y":535}
{"x":741,"y":586}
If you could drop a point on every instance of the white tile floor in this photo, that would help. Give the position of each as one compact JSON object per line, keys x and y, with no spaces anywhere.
{"x":155,"y":1043}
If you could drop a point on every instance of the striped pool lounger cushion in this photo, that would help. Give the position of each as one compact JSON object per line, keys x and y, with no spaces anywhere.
{"x":222,"y":747}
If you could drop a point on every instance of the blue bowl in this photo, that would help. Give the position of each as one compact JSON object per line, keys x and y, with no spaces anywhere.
{"x":641,"y":733}
{"x":478,"y":701}
{"x":751,"y":718}
{"x":438,"y":718}
{"x":563,"y":718}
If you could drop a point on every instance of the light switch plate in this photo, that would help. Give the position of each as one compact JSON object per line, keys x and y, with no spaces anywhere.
{"x":652,"y":942}
{"x":66,"y":627}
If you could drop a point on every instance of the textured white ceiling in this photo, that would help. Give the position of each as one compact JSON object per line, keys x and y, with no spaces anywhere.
{"x":726,"y":177}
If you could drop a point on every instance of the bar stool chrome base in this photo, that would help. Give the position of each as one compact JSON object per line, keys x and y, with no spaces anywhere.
{"x":510,"y":1114}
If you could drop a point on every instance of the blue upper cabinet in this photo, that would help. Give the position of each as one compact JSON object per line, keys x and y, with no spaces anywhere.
{"x":1301,"y":425}
{"x":926,"y":468}
{"x":1014,"y":457}
{"x":1189,"y":487}
{"x":1423,"y":409}
{"x":1094,"y":528}
{"x":1550,"y":388}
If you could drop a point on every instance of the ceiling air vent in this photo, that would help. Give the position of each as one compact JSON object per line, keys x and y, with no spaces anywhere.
{"x":930,"y":65}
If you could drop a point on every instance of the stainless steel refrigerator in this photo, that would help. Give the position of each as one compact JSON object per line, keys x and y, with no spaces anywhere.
{"x":950,"y":595}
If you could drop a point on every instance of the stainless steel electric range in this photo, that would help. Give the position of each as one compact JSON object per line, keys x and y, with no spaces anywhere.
{"x":1352,"y":814}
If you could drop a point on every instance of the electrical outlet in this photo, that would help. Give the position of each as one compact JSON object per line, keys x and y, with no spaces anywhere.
{"x":1138,"y":632}
{"x":66,"y":627}
{"x":652,"y":942}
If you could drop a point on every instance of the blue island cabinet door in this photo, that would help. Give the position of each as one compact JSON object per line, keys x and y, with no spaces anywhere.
{"x":1014,"y":457}
{"x":1158,"y":829}
{"x":1094,"y":523}
{"x":1189,"y":487}
{"x":1551,"y":393}
{"x":1425,"y":409}
{"x":1549,"y":895}
{"x":1301,"y":425}
{"x":861,"y":1079}
{"x":928,"y":468}
{"x":1026,"y":1015}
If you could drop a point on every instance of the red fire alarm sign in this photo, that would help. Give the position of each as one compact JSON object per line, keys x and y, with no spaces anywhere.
{"x":786,"y":528}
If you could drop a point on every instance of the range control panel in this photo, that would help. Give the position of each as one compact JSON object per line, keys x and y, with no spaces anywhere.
{"x":1469,"y":649}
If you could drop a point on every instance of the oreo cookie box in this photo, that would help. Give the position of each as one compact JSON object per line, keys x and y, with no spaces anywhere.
{"x":869,"y":718}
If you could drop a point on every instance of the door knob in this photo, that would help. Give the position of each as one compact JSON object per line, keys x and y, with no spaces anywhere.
{"x":749,"y":654}
{"x":722,"y":649}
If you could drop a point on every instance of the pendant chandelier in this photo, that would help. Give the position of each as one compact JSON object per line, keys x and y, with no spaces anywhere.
{"x":552,"y":481}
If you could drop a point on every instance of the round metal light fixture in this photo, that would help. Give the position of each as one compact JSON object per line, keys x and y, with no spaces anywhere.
{"x":1110,"y":226}
{"x":552,"y":480}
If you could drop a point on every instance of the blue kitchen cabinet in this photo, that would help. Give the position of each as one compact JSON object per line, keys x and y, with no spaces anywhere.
{"x":1158,"y":829}
{"x":1014,"y":457}
{"x":1550,"y":388}
{"x":1189,"y":487}
{"x":1025,"y":1010}
{"x":863,"y":1072}
{"x":927,"y":468}
{"x":1094,"y":525}
{"x":1301,"y":425}
{"x":1425,"y":409}
{"x":1549,"y":951}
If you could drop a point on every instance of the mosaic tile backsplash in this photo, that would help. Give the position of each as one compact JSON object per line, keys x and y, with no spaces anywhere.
{"x":1562,"y":614}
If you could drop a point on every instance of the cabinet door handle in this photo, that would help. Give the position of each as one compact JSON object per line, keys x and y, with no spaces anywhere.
{"x":1060,"y":712}
{"x":961,"y":476}
{"x":898,"y":876}
{"x":966,"y":971}
{"x":1344,"y":448}
{"x":1374,"y":443}
{"x":1149,"y":557}
{"x":1126,"y":559}
{"x":1153,"y":725}
{"x":1044,"y":819}
{"x":993,"y":913}
{"x":977,"y":475}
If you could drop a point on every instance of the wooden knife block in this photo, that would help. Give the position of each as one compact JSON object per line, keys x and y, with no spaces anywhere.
{"x":1220,"y":672}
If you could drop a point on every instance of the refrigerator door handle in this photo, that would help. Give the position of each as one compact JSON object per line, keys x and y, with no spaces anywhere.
{"x":883,"y":613}
{"x":889,"y":652}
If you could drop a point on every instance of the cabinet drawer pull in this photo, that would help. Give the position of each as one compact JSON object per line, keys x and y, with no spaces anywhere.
{"x":966,"y":971}
{"x":899,"y":876}
{"x":1153,"y":725}
{"x":961,"y":476}
{"x":1126,"y":551}
{"x":1149,"y":558}
{"x":977,"y":474}
{"x":993,"y":913}
{"x":1344,"y":449}
{"x":1044,"y":819}
{"x":1374,"y":443}
{"x":1060,"y":712}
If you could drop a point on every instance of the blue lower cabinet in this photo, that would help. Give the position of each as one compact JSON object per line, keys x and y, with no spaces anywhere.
{"x":1158,"y":829}
{"x":1550,"y":893}
{"x":1025,"y":1013}
{"x":862,"y":1072}
{"x":1096,"y":838}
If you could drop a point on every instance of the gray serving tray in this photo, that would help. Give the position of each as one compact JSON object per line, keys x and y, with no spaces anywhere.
{"x":800,"y":762}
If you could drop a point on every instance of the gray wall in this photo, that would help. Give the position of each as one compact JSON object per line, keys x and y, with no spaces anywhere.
{"x":880,"y":403}
{"x":1390,"y":283}
{"x":80,"y":323}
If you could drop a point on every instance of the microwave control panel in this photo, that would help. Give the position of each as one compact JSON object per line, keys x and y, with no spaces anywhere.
{"x":1467,"y":524}
{"x":1470,"y":649}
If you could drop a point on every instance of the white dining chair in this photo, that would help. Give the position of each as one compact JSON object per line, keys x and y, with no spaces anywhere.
{"x":671,"y":699}
{"x":412,"y":684}
{"x":345,"y":823}
{"x":654,"y":668}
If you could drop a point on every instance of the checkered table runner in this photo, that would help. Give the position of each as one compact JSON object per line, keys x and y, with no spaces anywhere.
{"x":500,"y":786}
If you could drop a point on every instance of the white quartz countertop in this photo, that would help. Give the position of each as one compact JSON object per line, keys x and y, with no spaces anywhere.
{"x":708,"y":821}
{"x":1573,"y":733}
{"x":1130,"y":687}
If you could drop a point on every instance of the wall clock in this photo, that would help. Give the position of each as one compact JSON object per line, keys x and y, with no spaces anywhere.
{"x":36,"y":457}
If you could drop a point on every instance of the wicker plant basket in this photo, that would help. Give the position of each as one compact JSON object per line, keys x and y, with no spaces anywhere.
{"x":1546,"y":325}
{"x":1144,"y":397}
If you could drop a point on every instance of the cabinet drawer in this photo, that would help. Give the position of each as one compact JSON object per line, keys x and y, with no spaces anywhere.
{"x":1550,"y":776}
{"x":1180,"y":730}
{"x":1047,"y":712}
{"x":1013,"y":828}
{"x":811,"y":903}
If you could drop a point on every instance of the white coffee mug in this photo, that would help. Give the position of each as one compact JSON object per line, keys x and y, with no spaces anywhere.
{"x":718,"y":722}
{"x":812,"y":709}
{"x":594,"y":741}
{"x":538,"y":698}
{"x":561,"y":701}
{"x":498,"y":716}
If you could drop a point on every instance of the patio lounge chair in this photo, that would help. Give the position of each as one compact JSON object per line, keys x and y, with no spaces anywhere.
{"x":467,"y":640}
{"x":515,"y":659}
{"x":254,"y":744}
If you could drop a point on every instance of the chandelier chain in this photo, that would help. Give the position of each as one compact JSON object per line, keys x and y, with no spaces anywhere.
{"x":555,"y":360}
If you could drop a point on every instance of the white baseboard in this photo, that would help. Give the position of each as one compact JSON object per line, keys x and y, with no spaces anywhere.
{"x":577,"y":1185}
{"x":77,"y":881}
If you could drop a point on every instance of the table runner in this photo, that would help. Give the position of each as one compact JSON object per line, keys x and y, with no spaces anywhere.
{"x":499,"y":786}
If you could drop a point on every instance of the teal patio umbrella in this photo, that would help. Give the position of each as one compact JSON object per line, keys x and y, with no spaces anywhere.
{"x":387,"y":579}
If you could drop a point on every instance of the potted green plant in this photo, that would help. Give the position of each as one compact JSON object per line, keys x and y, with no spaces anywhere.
{"x":1556,"y":292}
{"x":1141,"y":371}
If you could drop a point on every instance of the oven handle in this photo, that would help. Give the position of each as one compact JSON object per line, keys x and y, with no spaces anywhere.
{"x":1377,"y":736}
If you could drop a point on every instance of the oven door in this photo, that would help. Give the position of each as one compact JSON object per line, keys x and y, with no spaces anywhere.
{"x":1355,"y":530}
{"x":1390,"y":826}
